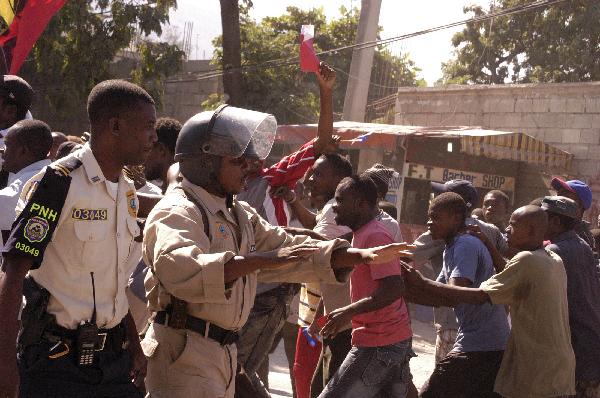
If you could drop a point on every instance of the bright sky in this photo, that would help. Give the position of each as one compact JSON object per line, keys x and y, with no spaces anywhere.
{"x":397,"y":17}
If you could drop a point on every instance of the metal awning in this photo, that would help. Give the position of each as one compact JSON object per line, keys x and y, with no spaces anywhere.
{"x":473,"y":140}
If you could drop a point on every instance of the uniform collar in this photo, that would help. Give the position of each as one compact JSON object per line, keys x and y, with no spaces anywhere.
{"x":90,"y":165}
{"x":213,"y":203}
{"x":92,"y":168}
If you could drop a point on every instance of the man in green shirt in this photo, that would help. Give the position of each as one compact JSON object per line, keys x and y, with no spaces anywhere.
{"x":539,"y":359}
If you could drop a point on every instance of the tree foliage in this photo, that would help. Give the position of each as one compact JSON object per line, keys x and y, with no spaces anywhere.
{"x":82,"y":41}
{"x":560,"y":43}
{"x":286,"y":92}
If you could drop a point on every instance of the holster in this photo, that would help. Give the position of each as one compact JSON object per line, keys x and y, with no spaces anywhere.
{"x":177,"y":313}
{"x":34,"y":317}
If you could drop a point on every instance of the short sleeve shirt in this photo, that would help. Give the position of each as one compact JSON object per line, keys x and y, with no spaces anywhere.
{"x":481,"y":327}
{"x":387,"y":325}
{"x":538,"y":360}
{"x":95,"y":232}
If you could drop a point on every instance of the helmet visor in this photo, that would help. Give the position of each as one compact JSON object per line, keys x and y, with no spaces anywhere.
{"x":238,"y":132}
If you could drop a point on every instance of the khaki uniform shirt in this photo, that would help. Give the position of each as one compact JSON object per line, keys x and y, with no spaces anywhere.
{"x":95,"y":233}
{"x":188,"y":264}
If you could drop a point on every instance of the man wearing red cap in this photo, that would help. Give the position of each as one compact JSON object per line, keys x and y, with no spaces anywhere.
{"x":581,"y":193}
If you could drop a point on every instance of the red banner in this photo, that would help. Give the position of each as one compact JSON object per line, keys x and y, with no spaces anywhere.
{"x":24,"y":27}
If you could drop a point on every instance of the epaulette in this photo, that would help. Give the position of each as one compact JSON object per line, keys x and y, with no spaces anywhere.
{"x":65,"y":166}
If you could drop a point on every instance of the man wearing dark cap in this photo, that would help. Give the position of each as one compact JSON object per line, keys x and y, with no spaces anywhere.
{"x":583,"y":290}
{"x":15,"y":99}
{"x":16,"y":96}
{"x":432,"y":250}
{"x":581,"y":193}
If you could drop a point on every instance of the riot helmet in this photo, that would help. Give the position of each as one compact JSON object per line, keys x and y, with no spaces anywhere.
{"x":228,"y":131}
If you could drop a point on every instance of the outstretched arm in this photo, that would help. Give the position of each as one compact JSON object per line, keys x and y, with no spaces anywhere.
{"x":439,"y":294}
{"x":351,"y":256}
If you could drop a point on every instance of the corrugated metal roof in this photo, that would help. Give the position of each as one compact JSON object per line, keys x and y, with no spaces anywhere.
{"x":474,"y":140}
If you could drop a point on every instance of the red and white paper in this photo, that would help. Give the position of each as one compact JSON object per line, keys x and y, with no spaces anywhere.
{"x":309,"y":62}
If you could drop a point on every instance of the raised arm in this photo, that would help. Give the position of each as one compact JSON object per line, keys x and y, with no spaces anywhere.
{"x":326,"y":78}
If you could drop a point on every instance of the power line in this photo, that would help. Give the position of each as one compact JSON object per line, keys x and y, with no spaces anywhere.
{"x":280,"y":62}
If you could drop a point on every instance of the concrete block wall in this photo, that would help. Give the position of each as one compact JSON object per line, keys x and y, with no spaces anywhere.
{"x":183,"y":97}
{"x":566,"y":115}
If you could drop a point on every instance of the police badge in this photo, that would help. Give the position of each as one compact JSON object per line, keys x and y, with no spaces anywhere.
{"x":36,"y":229}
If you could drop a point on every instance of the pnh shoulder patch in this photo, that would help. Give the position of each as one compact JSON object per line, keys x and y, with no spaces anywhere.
{"x":33,"y":229}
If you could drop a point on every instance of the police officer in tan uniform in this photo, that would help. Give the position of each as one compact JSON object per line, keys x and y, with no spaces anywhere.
{"x":206,"y":251}
{"x":74,"y":238}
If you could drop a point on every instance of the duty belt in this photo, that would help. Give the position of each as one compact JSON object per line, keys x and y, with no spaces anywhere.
{"x":113,"y":339}
{"x":200,"y":326}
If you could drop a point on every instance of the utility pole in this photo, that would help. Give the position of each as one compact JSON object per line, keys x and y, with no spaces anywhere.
{"x":357,"y":90}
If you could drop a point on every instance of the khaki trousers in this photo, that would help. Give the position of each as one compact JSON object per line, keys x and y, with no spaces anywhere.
{"x":182,"y":363}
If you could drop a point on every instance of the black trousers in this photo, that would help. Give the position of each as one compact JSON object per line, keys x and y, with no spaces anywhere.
{"x":61,"y":377}
{"x":464,"y":375}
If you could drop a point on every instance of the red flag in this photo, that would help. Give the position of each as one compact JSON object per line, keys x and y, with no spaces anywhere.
{"x":26,"y":27}
{"x":308,"y":58}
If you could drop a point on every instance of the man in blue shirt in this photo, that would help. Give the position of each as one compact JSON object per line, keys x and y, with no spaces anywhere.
{"x":583,"y":291}
{"x":470,"y":369}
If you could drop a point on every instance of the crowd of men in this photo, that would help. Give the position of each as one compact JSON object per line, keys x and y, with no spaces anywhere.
{"x":147,"y":257}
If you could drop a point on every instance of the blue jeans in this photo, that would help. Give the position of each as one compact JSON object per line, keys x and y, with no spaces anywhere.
{"x":372,"y":372}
